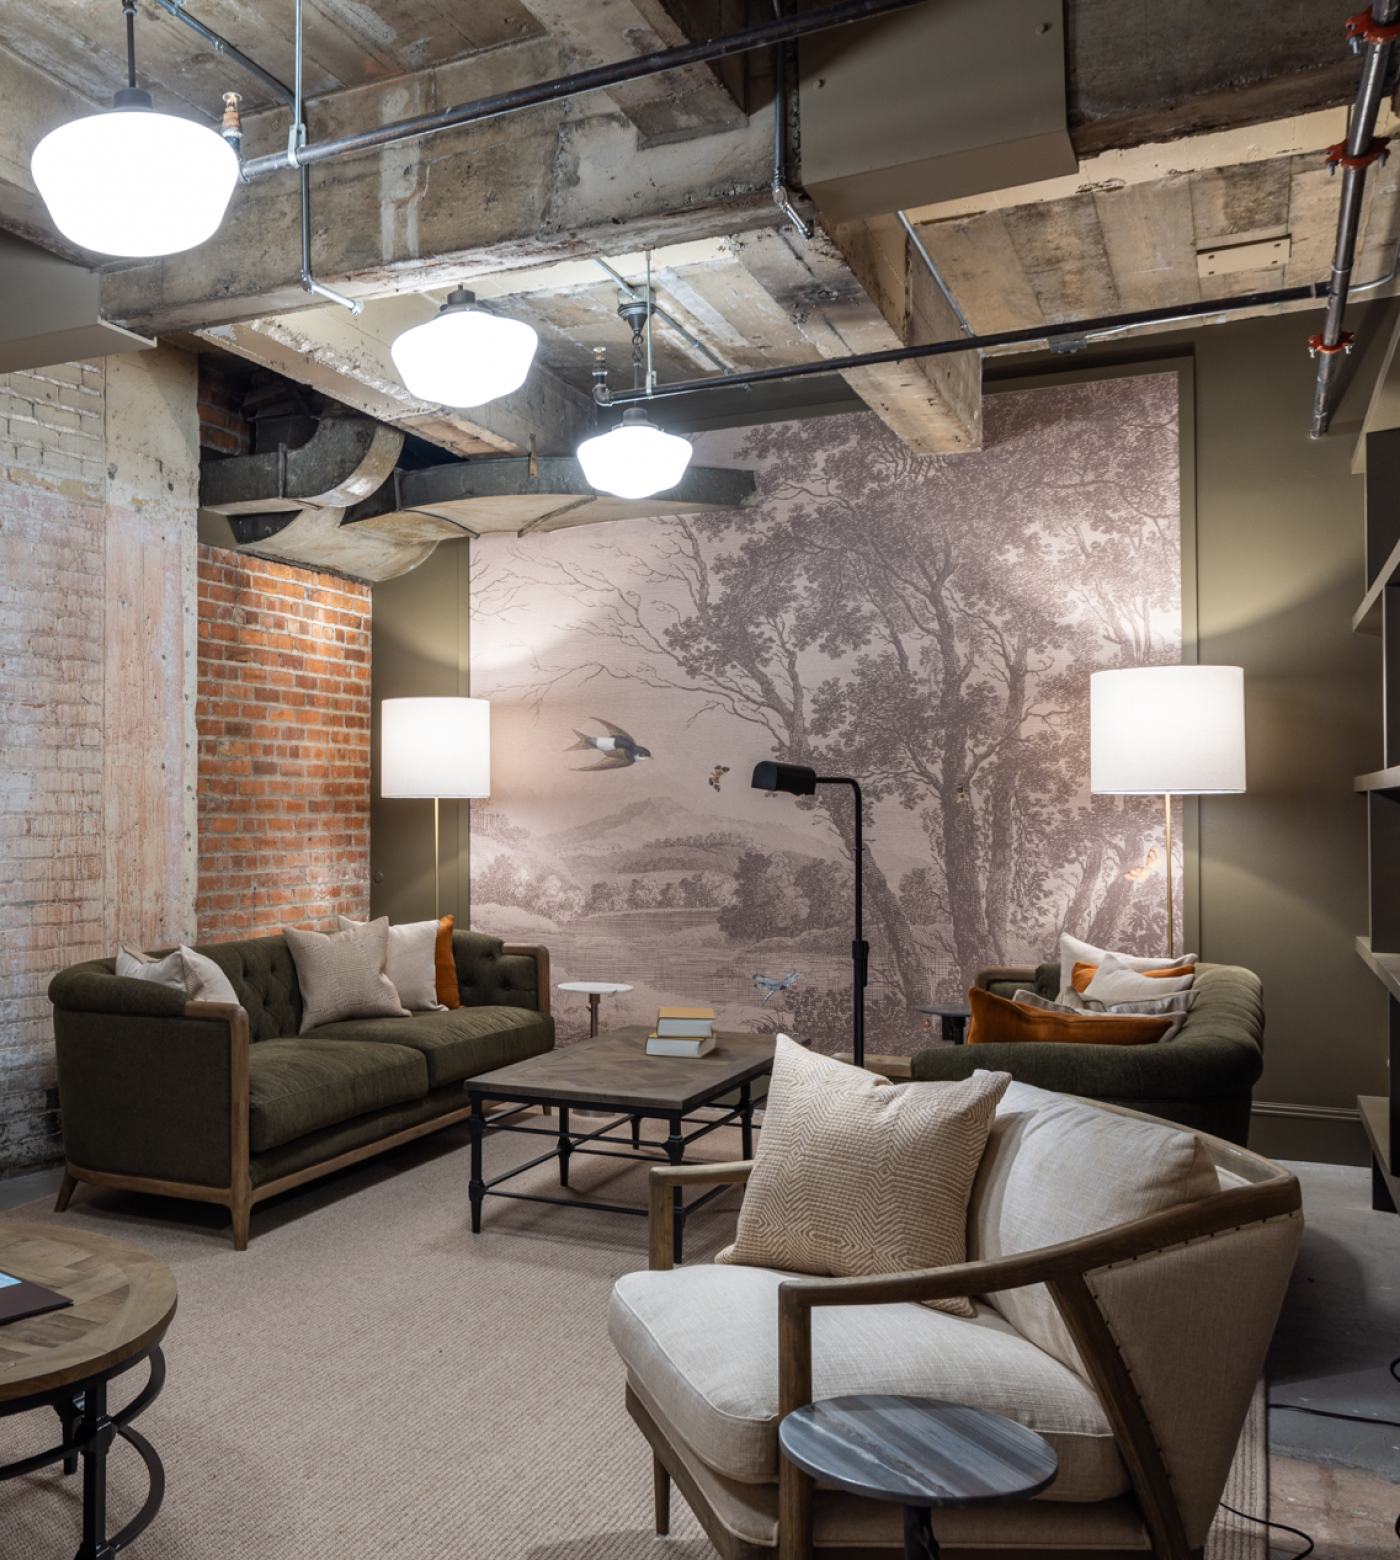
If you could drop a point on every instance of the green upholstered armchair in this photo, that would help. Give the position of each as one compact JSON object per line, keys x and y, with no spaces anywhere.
{"x":1203,"y":1079}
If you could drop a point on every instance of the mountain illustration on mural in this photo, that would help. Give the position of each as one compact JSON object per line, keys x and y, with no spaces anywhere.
{"x":618,"y":749}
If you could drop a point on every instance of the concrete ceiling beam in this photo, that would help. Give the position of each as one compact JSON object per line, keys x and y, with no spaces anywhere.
{"x":347,"y":359}
{"x":545,"y":184}
{"x":855,"y":290}
{"x":34,"y":104}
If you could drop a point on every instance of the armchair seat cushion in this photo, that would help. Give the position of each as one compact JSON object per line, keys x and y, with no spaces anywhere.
{"x":456,"y":1044}
{"x":702,"y":1345}
{"x":299,"y":1086}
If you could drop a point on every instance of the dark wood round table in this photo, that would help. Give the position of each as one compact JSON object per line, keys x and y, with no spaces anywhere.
{"x":953,"y":1017}
{"x":919,"y":1453}
{"x":123,"y":1301}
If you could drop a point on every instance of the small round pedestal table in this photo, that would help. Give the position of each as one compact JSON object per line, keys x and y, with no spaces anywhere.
{"x":595,"y":989}
{"x":952,"y":1015}
{"x":918,"y":1452}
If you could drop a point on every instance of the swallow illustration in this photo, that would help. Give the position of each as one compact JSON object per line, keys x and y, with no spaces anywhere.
{"x":772,"y":988}
{"x":717,"y":774}
{"x":618,"y":749}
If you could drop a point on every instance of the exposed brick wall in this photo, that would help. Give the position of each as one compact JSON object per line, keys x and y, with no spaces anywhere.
{"x":284,"y":746}
{"x":222,"y":425}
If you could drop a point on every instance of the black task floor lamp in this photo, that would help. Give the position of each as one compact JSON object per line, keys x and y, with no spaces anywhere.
{"x":799,"y":780}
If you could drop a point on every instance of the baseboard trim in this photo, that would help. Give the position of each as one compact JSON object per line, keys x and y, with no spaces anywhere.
{"x":1331,"y":1113}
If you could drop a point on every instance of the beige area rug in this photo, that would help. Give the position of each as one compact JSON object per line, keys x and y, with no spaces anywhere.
{"x":369,"y":1379}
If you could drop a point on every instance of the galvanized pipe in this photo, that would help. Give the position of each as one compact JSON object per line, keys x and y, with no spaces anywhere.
{"x":1028,"y":336}
{"x":1360,"y":135}
{"x":921,"y":249}
{"x":782,"y":196}
{"x":221,"y":45}
{"x":764,"y":35}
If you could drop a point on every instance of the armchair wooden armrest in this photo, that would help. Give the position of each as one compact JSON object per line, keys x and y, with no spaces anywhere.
{"x":667,"y":1179}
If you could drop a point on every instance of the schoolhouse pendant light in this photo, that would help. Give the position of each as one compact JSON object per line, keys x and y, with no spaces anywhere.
{"x":464,"y":356}
{"x":133,"y":182}
{"x":635,"y":459}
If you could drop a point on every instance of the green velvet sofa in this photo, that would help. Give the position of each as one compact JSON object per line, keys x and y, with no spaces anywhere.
{"x":1204,"y":1078}
{"x":231,"y":1105}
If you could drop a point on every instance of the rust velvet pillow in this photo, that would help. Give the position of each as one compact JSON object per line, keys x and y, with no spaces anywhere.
{"x":1084,"y":973}
{"x":996,"y":1020}
{"x":445,"y":966}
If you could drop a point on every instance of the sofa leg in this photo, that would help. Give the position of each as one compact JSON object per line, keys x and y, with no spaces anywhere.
{"x":661,"y":1491}
{"x":65,"y":1192}
{"x":241,"y":1211}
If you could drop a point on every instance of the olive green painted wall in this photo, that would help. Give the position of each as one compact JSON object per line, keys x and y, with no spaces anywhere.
{"x":420,"y":648}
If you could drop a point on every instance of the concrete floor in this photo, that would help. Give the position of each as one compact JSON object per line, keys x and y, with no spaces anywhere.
{"x":1340,"y":1328}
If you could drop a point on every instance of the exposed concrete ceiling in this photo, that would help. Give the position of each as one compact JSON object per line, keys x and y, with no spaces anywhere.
{"x":1199,"y":128}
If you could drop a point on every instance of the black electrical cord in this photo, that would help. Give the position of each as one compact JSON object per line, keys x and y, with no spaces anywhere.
{"x":1318,"y":1413}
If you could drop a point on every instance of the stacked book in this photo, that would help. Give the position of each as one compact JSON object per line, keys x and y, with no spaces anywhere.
{"x":682,"y":1031}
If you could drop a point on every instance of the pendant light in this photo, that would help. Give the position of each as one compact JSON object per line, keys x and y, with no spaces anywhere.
{"x":636,"y":458}
{"x":130,"y":181}
{"x":464,"y":356}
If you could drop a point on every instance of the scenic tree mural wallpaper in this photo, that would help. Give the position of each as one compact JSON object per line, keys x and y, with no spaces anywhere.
{"x":927,"y":625}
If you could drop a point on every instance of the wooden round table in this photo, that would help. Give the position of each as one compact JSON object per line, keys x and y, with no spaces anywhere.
{"x":918,"y":1452}
{"x":123,"y":1301}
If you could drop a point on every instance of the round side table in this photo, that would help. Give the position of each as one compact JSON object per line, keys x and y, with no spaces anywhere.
{"x":123,"y":1301}
{"x":596,"y":990}
{"x":919,"y":1453}
{"x":952,"y":1016}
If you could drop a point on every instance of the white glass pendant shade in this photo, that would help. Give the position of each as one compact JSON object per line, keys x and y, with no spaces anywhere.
{"x":635,"y":459}
{"x":132,"y":182}
{"x":462,"y":356}
{"x":1157,"y":729}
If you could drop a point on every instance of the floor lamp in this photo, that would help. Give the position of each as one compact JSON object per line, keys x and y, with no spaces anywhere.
{"x":799,"y":780}
{"x":438,"y":748}
{"x":1167,"y":731}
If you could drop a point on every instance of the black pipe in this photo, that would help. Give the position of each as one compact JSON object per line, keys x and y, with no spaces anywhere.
{"x":1329,"y":343}
{"x":1005,"y":338}
{"x":221,"y":45}
{"x":762,"y":36}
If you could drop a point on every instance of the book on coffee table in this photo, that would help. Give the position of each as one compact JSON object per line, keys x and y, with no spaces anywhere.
{"x":685,"y":1023}
{"x":680,"y":1045}
{"x":20,"y":1298}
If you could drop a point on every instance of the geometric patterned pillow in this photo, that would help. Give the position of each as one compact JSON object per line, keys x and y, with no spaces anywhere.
{"x":856,"y":1176}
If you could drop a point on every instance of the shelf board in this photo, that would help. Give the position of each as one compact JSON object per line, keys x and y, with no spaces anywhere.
{"x":1375,"y":1118}
{"x":1378,"y":780}
{"x":1367,"y":618}
{"x":1385,"y":965}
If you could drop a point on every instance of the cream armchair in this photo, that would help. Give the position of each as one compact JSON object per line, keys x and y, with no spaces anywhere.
{"x":1134,"y":1348}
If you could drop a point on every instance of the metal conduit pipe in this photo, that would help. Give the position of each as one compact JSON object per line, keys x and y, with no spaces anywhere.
{"x":221,"y":45}
{"x":764,"y":35}
{"x":627,"y":289}
{"x":1375,"y":31}
{"x":1029,"y":336}
{"x":921,"y":249}
{"x":782,"y":196}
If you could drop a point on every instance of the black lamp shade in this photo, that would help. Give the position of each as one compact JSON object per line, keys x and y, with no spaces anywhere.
{"x":797,"y":779}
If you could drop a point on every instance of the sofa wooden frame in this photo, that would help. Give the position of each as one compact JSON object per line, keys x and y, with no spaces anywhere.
{"x":1271,"y":1193}
{"x":240,"y":1195}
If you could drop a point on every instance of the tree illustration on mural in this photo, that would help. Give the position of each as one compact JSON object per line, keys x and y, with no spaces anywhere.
{"x":925,"y":624}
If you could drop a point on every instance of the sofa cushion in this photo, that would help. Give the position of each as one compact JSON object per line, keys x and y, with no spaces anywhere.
{"x":457,"y":1044}
{"x":298,"y":1086}
{"x":703,"y":1344}
{"x":1057,"y":1169}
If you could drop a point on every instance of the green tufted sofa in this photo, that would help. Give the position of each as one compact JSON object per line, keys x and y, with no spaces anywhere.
{"x":231,"y":1105}
{"x":1204,"y":1078}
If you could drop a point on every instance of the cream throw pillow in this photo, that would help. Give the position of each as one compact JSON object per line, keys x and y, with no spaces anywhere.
{"x":1169,"y":1007}
{"x":1075,"y":951}
{"x":1116,"y":981}
{"x":855,"y":1175}
{"x":195,"y":974}
{"x":341,"y":974}
{"x":1056,"y":1169}
{"x":411,"y":964}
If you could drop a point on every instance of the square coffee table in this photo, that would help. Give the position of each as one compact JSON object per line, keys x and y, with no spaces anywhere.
{"x":612,"y":1073}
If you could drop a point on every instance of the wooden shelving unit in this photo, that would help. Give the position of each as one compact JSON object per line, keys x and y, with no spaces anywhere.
{"x":1379,"y":613}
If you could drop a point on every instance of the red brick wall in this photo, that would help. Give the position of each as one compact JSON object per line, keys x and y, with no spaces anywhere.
{"x":222,"y":425}
{"x":284,"y":729}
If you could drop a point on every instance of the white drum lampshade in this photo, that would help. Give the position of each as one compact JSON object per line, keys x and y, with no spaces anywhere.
{"x":1167,"y":729}
{"x":435,"y":748}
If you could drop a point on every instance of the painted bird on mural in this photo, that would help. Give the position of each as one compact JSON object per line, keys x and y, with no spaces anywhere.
{"x":717,"y":774}
{"x":618,"y":749}
{"x":772,"y":988}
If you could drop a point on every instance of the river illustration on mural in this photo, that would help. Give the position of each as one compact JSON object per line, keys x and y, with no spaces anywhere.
{"x":925,"y":624}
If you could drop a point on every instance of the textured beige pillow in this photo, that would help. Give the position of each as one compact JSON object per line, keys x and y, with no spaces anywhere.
{"x":1057,"y":1169}
{"x":855,"y":1175}
{"x":195,"y":974}
{"x":341,"y":974}
{"x":1074,"y":950}
{"x":411,"y":963}
{"x":1116,"y":982}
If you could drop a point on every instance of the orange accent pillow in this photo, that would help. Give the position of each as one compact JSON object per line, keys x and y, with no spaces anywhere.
{"x":445,"y":966}
{"x":996,"y":1020}
{"x":1084,"y":973}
